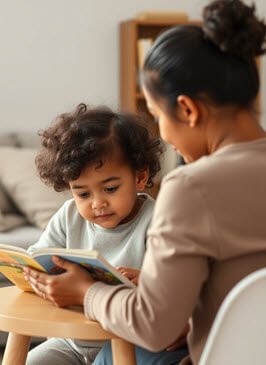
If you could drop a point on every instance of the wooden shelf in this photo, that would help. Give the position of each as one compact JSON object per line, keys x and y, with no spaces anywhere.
{"x":131,"y":98}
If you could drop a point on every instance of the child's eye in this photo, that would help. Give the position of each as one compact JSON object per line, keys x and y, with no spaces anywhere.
{"x":111,"y":189}
{"x":83,"y":195}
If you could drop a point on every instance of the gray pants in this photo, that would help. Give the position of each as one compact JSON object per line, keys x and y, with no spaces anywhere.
{"x":59,"y":351}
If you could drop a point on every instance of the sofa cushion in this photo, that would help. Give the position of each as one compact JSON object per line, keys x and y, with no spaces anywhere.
{"x":9,"y":215}
{"x":23,"y":236}
{"x":7,"y":139}
{"x":19,"y":177}
{"x":27,"y":139}
{"x":9,"y":221}
{"x":6,"y":205}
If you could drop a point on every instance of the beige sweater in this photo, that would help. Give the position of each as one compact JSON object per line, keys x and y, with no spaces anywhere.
{"x":208,"y":232}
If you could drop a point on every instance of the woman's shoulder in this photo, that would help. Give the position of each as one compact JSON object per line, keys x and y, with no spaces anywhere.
{"x":223,"y":171}
{"x":198,"y":176}
{"x":188,"y":171}
{"x":226,"y":161}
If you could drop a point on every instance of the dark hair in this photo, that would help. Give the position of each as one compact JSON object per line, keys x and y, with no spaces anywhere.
{"x":87,"y":136}
{"x":214,"y":62}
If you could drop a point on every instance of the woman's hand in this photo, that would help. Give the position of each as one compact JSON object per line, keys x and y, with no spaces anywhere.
{"x":129,"y":272}
{"x":68,"y":288}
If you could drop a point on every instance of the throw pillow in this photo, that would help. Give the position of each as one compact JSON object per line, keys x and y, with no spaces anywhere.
{"x":9,"y":221}
{"x":7,"y":139}
{"x":9,"y":216}
{"x":6,"y":205}
{"x":19,"y":176}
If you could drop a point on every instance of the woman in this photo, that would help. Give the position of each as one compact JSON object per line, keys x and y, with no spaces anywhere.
{"x":208,"y":230}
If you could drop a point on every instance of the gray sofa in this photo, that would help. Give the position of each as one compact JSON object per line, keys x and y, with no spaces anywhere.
{"x":26,"y":204}
{"x":16,"y":229}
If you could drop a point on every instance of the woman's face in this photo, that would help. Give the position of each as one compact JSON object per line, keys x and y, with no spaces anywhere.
{"x":176,"y":131}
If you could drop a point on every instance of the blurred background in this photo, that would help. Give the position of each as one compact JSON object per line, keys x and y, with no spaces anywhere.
{"x":57,"y":53}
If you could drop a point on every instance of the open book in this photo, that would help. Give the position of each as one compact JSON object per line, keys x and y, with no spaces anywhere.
{"x":13,"y":259}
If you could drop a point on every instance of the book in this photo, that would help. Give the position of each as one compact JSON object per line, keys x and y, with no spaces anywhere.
{"x":13,"y":259}
{"x":143,"y":45}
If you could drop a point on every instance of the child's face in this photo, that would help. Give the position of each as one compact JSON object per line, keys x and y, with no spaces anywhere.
{"x":107,"y":195}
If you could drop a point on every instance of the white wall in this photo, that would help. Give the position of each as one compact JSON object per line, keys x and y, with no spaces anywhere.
{"x":57,"y":53}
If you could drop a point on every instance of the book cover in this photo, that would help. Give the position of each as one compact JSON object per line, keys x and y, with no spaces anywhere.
{"x":13,"y":259}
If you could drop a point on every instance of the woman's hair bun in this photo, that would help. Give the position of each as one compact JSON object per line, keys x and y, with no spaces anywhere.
{"x":234,"y":28}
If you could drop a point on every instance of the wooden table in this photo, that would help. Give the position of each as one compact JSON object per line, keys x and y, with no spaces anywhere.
{"x":24,"y":315}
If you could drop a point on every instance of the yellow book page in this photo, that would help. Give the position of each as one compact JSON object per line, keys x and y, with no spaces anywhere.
{"x":11,"y":266}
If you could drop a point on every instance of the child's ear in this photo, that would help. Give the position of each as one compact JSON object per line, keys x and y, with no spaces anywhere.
{"x":141,"y":179}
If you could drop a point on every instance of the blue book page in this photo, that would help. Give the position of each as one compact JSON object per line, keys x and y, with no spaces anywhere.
{"x":95,"y":267}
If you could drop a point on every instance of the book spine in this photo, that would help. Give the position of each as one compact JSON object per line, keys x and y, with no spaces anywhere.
{"x":144,"y":45}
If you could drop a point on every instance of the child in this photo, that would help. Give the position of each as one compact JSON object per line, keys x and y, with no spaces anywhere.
{"x":104,"y":158}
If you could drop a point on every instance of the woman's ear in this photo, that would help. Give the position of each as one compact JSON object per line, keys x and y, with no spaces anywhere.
{"x":141,"y":179}
{"x":189,"y":110}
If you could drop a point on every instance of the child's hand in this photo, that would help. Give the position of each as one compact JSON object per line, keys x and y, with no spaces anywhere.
{"x":129,"y":272}
{"x":59,"y":289}
{"x":181,"y":341}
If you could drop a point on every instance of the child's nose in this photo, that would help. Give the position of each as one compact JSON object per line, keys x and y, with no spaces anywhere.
{"x":98,"y":203}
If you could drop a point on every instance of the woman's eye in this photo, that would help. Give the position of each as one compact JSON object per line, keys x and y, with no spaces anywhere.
{"x":111,"y":189}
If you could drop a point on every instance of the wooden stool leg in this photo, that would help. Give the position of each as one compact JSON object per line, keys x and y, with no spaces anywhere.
{"x":16,"y":349}
{"x":123,"y":352}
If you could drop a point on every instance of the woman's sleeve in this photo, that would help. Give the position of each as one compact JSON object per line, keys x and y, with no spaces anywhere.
{"x":174,"y":269}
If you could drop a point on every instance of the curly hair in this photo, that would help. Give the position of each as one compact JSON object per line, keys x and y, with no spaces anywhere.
{"x":87,"y":136}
